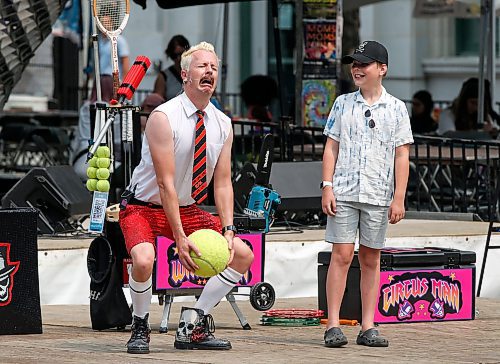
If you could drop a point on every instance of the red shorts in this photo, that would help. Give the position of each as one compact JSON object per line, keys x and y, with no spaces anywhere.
{"x":142,"y":224}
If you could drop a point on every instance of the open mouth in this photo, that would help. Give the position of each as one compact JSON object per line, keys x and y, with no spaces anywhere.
{"x":207,"y":81}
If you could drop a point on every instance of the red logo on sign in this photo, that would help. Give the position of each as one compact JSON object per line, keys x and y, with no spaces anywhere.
{"x":7,"y":271}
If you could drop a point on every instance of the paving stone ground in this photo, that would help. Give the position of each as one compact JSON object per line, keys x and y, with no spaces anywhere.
{"x":68,"y":338}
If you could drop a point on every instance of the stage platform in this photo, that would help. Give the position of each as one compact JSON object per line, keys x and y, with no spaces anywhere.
{"x":290,"y":263}
{"x":67,"y":338}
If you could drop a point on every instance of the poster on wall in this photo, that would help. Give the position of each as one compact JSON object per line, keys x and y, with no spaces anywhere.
{"x":320,"y":40}
{"x":321,"y":46}
{"x":326,"y":9}
{"x":320,"y":50}
{"x":317,"y":100}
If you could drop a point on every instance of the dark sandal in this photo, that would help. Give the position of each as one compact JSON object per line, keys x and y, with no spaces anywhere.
{"x":335,"y":338}
{"x":371,"y":337}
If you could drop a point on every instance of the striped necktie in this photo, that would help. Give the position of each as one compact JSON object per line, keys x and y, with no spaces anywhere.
{"x":199,"y":186}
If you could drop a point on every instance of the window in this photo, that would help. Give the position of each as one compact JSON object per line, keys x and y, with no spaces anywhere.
{"x":468,"y":37}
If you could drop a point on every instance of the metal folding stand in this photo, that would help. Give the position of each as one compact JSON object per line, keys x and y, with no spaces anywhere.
{"x":166,"y":299}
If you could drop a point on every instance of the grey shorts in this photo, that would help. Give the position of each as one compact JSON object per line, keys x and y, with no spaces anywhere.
{"x":370,"y":219}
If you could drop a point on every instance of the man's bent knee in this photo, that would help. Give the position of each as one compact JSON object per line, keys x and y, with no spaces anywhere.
{"x":143,"y":257}
{"x":243,"y":256}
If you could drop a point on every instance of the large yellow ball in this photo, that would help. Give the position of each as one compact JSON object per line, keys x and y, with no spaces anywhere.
{"x":214,"y":252}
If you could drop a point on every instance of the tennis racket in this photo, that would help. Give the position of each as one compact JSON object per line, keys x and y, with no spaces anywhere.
{"x":111,"y":17}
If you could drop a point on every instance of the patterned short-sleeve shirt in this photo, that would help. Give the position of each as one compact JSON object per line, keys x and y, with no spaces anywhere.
{"x":365,"y":165}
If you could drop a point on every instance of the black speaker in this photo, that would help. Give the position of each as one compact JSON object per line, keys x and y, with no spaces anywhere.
{"x":298,"y":185}
{"x":350,"y":308}
{"x":56,"y":192}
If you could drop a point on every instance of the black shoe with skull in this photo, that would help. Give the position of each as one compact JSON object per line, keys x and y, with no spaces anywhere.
{"x":195,"y":332}
{"x":139,"y":341}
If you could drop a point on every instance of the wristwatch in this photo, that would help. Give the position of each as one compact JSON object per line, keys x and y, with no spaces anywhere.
{"x":325,"y":183}
{"x":229,"y":228}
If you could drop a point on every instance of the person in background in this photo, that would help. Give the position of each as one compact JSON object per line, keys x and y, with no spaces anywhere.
{"x":462,"y":114}
{"x":257,"y":92}
{"x":80,"y":141}
{"x":168,"y":83}
{"x":421,"y":113}
{"x":151,"y":102}
{"x":105,"y":63}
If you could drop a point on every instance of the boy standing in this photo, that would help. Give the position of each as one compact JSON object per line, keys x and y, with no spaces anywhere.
{"x":365,"y":173}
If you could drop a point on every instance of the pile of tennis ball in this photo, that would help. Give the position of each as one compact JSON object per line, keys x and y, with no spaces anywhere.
{"x":98,"y":170}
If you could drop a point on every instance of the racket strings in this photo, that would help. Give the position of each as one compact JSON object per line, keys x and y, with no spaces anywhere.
{"x":111,"y":13}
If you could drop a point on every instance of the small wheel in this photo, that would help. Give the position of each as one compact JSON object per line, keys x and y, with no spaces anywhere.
{"x":262,"y":296}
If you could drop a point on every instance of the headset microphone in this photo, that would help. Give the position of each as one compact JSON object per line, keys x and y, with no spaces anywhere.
{"x":190,"y":80}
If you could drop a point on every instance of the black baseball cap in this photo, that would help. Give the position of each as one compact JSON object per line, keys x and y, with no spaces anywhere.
{"x":367,"y":52}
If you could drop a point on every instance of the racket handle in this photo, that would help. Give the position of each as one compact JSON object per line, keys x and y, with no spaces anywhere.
{"x":134,"y":78}
{"x":116,"y":84}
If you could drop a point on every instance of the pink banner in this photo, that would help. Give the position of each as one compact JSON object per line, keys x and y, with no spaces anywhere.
{"x":426,"y":295}
{"x":170,"y":274}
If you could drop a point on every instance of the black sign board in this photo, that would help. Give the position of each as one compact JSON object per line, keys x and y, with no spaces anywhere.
{"x":20,"y":311}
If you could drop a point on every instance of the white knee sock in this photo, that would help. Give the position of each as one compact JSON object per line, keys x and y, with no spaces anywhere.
{"x":141,"y":293}
{"x":216,"y":288}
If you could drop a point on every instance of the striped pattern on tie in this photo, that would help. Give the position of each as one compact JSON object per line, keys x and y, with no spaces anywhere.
{"x":199,"y":186}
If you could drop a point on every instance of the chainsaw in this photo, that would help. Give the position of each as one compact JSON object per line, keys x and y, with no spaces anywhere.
{"x":263,"y":200}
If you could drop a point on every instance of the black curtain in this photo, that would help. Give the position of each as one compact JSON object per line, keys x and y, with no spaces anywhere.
{"x":65,"y":56}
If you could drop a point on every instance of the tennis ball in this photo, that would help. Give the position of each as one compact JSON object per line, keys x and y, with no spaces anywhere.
{"x":103,"y":185}
{"x":102,"y":173}
{"x":92,"y":184}
{"x":103,"y":152}
{"x":103,"y":162}
{"x":93,"y":162}
{"x":214,"y":252}
{"x":91,"y":172}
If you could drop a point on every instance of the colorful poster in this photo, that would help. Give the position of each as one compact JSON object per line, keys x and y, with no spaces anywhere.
{"x":170,"y":274}
{"x":326,"y":9}
{"x":320,"y":40}
{"x":317,"y":100}
{"x":426,"y":295}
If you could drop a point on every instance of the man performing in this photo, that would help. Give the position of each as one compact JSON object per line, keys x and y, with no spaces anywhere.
{"x":187,"y":142}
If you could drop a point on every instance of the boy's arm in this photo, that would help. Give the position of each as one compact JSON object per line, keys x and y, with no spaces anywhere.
{"x":330,"y":155}
{"x":401,"y":173}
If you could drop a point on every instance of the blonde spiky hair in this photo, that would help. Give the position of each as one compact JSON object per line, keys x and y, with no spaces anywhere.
{"x":187,"y":56}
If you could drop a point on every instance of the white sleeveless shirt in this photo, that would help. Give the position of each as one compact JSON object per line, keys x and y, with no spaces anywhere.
{"x":181,"y":114}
